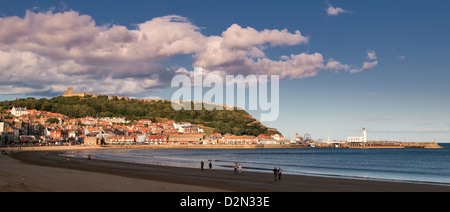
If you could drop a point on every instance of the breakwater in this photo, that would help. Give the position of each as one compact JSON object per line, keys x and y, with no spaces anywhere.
{"x":381,"y":144}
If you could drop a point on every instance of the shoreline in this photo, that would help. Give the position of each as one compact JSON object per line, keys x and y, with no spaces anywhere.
{"x":169,"y":146}
{"x":217,"y":179}
{"x":426,"y":145}
{"x":61,"y":154}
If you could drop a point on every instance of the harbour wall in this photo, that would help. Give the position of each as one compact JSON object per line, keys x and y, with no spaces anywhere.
{"x":381,"y":145}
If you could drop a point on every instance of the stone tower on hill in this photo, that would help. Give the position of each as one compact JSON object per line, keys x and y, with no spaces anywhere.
{"x":69,"y":92}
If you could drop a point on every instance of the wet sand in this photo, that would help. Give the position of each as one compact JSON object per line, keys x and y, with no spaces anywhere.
{"x":100,"y":175}
{"x":18,"y":176}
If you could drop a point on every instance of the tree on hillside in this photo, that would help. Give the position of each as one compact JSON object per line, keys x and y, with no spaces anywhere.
{"x":52,"y":120}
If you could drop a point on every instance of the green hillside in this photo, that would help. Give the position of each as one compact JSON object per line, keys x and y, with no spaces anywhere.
{"x":237,"y":122}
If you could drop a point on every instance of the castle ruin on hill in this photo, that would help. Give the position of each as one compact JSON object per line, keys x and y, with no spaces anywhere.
{"x":69,"y":92}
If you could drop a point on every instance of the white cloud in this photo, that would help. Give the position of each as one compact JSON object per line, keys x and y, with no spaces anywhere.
{"x":237,"y":37}
{"x":369,"y":65}
{"x":284,"y":57}
{"x":401,"y":57}
{"x":366,"y":66}
{"x":371,"y":55}
{"x":335,"y":11}
{"x":240,"y":50}
{"x":336,"y":66}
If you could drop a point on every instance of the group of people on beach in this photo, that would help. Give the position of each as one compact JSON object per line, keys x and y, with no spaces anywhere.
{"x":202,"y":165}
{"x":238,"y":169}
{"x":276,"y":173}
{"x":6,"y":153}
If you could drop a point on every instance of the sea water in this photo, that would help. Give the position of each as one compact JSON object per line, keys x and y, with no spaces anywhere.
{"x":408,"y":164}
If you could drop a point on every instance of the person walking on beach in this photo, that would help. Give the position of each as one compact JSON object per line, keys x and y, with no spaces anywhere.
{"x":201,"y":166}
{"x":240,"y":168}
{"x":235,"y":167}
{"x":279,"y":173}
{"x":210,"y":166}
{"x":275,"y":173}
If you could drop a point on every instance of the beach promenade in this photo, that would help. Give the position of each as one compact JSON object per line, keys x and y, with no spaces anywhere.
{"x":47,"y":171}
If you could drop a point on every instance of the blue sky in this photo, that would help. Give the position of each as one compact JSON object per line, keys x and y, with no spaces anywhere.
{"x":405,"y":96}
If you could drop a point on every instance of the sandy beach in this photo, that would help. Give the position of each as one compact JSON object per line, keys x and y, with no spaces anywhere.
{"x":39,"y":171}
{"x":17,"y":176}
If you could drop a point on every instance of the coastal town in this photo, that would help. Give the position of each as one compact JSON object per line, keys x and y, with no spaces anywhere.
{"x":33,"y":127}
{"x":22,"y":127}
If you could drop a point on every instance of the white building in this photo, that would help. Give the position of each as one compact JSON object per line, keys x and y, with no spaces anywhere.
{"x":117,"y":120}
{"x":363,"y":138}
{"x":19,"y":111}
{"x":2,"y":127}
{"x":178,"y":125}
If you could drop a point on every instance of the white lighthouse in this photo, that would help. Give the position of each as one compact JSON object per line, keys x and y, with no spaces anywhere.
{"x":364,"y":134}
{"x":363,"y":138}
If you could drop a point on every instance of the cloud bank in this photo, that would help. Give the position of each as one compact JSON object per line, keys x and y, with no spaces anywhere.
{"x":46,"y":52}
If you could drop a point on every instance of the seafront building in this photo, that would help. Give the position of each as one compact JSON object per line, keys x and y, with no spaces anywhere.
{"x":231,"y":139}
{"x":185,"y":138}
